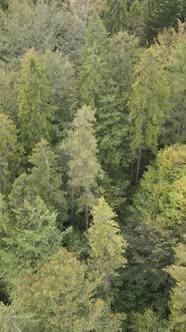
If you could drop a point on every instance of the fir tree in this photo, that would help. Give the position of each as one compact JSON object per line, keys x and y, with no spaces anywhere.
{"x":107,"y":246}
{"x":35,"y":113}
{"x":81,"y":147}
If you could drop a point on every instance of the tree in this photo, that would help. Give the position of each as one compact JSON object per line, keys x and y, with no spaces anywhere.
{"x":60,"y":73}
{"x":162,"y":193}
{"x":92,"y":68}
{"x":115,"y":16}
{"x":10,"y":152}
{"x":81,"y":147}
{"x":107,"y":246}
{"x":149,"y":321}
{"x":112,"y":125}
{"x":30,"y":241}
{"x":177,"y":74}
{"x":136,"y":20}
{"x":62,"y":298}
{"x":11,"y":320}
{"x":85,"y":8}
{"x":45,"y":178}
{"x":8,"y":94}
{"x":35,"y":113}
{"x":149,"y":103}
{"x":162,"y":14}
{"x":43,"y":25}
{"x":177,"y":303}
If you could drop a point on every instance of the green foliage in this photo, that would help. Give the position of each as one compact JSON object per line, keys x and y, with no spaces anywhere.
{"x":136,"y":19}
{"x":149,"y":102}
{"x":41,"y":26}
{"x":35,"y":113}
{"x":162,"y":14}
{"x":93,"y":61}
{"x":177,"y":303}
{"x":8,"y":94}
{"x":177,"y":67}
{"x":11,"y":320}
{"x":33,"y":238}
{"x":45,"y":178}
{"x":60,"y":73}
{"x":81,"y":147}
{"x":148,"y":322}
{"x":107,"y":246}
{"x":112,"y":126}
{"x":161,"y":198}
{"x":10,"y":152}
{"x":115,"y":16}
{"x":62,"y":298}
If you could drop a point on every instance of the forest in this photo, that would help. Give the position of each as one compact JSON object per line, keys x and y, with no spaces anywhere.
{"x":92,"y":166}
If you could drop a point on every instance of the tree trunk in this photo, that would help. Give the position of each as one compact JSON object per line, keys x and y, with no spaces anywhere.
{"x":138,"y":163}
{"x":86,"y":217}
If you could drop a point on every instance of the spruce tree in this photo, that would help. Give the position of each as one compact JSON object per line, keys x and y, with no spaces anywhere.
{"x":45,"y":178}
{"x":92,"y":67}
{"x":81,"y":148}
{"x":115,"y":16}
{"x":35,"y":113}
{"x":107,"y":245}
{"x":149,"y":103}
{"x":10,"y":152}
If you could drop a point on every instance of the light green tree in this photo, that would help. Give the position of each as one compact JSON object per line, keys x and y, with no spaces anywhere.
{"x":149,"y":103}
{"x":149,"y":321}
{"x":35,"y":113}
{"x":81,"y":147}
{"x":107,"y":245}
{"x":11,"y":319}
{"x":31,"y":238}
{"x":62,"y":298}
{"x":162,"y":195}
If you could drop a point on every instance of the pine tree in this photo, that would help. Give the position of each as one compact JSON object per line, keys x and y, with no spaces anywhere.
{"x":107,"y":246}
{"x":35,"y":113}
{"x":81,"y":147}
